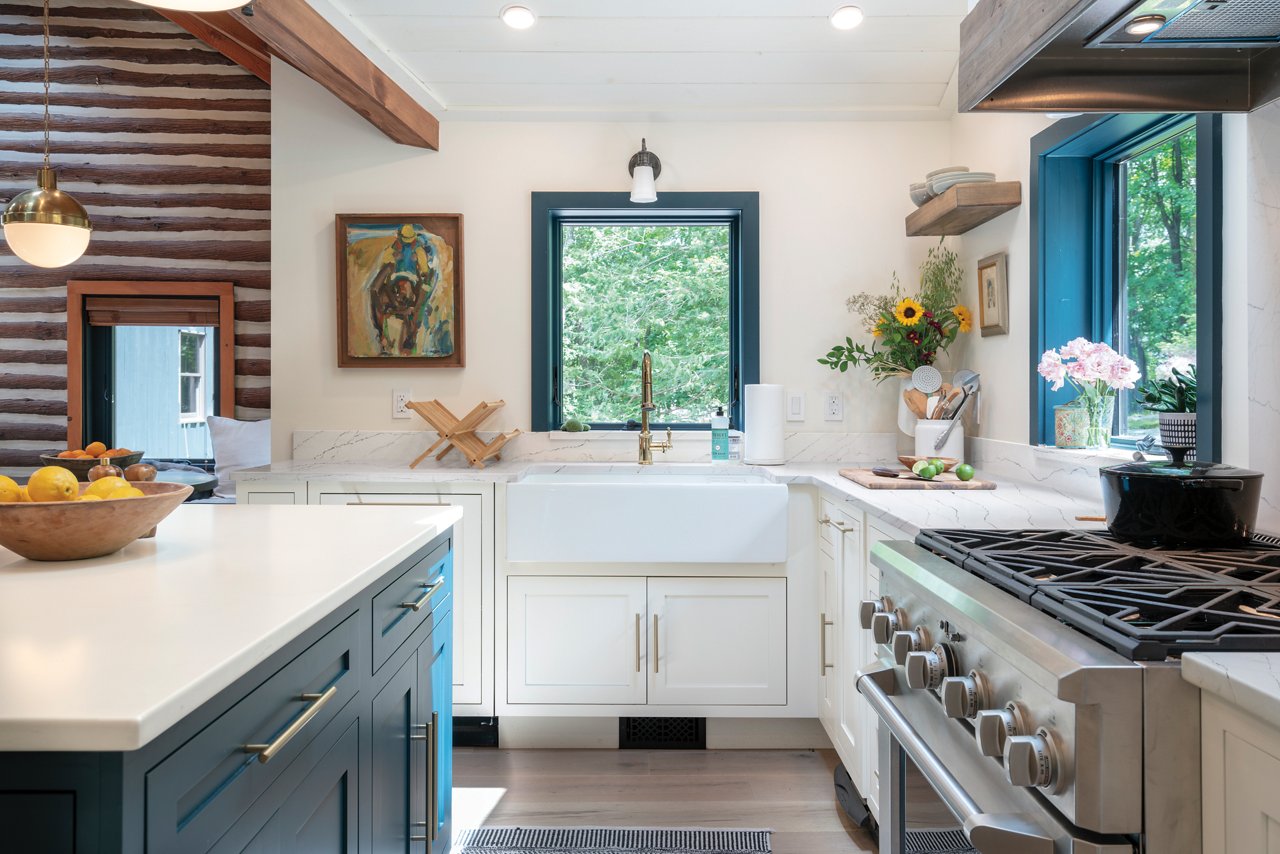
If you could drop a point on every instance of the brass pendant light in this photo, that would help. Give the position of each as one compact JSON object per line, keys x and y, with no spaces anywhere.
{"x":45,"y":226}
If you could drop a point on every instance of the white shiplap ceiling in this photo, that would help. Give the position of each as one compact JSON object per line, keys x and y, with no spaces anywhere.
{"x":671,"y":59}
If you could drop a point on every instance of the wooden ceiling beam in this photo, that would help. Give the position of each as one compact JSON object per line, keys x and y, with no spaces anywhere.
{"x":224,"y":32}
{"x":301,"y":36}
{"x":298,"y":34}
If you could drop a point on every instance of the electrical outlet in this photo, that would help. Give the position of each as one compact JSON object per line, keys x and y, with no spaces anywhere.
{"x":400,"y":403}
{"x":795,"y":406}
{"x":832,"y":407}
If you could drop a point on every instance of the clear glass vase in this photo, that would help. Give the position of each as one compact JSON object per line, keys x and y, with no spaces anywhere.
{"x":1100,"y":412}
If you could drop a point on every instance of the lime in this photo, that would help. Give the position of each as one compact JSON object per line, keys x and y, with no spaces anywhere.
{"x":964,"y":471}
{"x":919,"y":466}
{"x":928,"y":473}
{"x":938,"y":464}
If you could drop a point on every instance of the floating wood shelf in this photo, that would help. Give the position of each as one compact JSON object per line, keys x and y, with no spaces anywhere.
{"x":963,"y":207}
{"x":460,"y":433}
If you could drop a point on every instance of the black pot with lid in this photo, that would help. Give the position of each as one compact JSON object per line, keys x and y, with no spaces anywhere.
{"x":1176,"y":503}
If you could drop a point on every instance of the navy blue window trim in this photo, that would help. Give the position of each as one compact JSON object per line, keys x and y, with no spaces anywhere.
{"x":1074,"y":268}
{"x":551,"y":210}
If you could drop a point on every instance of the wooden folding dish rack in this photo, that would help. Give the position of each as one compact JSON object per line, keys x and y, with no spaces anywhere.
{"x":460,"y":433}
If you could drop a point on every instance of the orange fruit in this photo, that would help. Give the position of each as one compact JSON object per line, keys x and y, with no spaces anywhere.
{"x":127,"y":492}
{"x":10,"y":492}
{"x":94,"y":449}
{"x":53,"y":483}
{"x":104,"y":486}
{"x":67,"y":454}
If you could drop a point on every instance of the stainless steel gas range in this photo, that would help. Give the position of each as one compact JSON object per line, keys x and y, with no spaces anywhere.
{"x":1033,"y":679}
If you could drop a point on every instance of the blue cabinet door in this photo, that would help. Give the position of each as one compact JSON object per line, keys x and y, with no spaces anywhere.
{"x":398,"y":754}
{"x":435,"y":681}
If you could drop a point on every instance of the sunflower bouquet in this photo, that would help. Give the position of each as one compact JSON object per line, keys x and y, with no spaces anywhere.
{"x":908,"y":330}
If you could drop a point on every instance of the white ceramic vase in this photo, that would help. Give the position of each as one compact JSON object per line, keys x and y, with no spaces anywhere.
{"x":906,"y":420}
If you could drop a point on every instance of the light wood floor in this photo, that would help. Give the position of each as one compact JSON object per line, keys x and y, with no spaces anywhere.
{"x":788,"y":791}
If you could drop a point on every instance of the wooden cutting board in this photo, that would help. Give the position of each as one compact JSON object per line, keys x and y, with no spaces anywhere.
{"x":865,"y":477}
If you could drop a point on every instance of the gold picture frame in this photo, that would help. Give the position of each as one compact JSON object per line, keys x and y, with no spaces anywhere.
{"x":993,"y":294}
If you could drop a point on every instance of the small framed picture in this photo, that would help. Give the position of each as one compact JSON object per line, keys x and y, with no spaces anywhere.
{"x":400,"y":291}
{"x":993,"y":294}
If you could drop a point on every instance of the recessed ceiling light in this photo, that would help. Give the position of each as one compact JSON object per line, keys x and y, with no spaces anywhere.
{"x":846,"y":17}
{"x":518,"y":17}
{"x":1145,"y":25}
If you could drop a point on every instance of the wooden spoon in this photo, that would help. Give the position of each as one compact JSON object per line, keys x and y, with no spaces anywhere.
{"x":917,"y":402}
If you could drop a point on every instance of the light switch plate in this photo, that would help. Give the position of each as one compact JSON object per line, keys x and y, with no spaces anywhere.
{"x":400,"y":403}
{"x":795,"y":406}
{"x":832,"y":407}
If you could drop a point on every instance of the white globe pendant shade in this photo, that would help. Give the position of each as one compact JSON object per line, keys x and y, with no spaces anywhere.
{"x":643,"y":188}
{"x":194,"y":5}
{"x":46,"y":227}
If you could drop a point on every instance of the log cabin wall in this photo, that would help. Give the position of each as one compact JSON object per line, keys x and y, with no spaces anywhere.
{"x":167,"y":144}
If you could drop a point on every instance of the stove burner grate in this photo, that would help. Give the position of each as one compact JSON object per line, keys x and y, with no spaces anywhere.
{"x":1146,"y":603}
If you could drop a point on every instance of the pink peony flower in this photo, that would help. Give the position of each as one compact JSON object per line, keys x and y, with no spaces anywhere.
{"x":1052,"y":369}
{"x":1075,"y":348}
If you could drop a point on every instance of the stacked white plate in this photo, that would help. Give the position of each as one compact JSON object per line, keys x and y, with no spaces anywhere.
{"x":941,"y":181}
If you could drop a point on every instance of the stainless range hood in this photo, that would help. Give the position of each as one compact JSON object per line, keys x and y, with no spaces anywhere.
{"x":1120,"y":56}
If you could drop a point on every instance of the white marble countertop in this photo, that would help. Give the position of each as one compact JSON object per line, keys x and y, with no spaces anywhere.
{"x":1249,"y":680}
{"x":106,"y":654}
{"x":1012,"y":504}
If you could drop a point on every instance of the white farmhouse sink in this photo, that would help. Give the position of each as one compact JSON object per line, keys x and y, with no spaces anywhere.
{"x":629,"y":517}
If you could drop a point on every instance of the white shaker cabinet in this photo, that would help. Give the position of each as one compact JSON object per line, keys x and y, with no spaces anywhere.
{"x":1240,"y":758}
{"x":828,"y":636}
{"x":473,"y":574}
{"x":718,"y":641}
{"x":576,"y":640}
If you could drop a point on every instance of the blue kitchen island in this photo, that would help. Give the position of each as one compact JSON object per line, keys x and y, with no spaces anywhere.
{"x":259,"y":679}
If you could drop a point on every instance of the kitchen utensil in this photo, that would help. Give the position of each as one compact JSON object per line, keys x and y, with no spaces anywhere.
{"x":80,"y":468}
{"x":948,"y":463}
{"x":917,"y":402}
{"x":881,"y":471}
{"x":971,"y":382}
{"x":75,"y":530}
{"x":927,"y":379}
{"x":946,"y":170}
{"x":869,"y":479}
{"x":949,"y":397}
{"x":454,"y":432}
{"x":1199,"y":504}
{"x":1091,"y":518}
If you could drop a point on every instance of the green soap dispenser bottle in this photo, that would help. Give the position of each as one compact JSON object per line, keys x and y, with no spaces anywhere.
{"x":720,"y":436}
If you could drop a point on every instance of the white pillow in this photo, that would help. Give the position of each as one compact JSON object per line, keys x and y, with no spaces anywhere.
{"x":237,"y":445}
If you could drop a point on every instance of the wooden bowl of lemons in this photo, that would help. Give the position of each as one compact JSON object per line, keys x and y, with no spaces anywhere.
{"x":55,"y":517}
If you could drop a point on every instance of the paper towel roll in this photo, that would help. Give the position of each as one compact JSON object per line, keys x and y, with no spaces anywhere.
{"x":764,"y":417}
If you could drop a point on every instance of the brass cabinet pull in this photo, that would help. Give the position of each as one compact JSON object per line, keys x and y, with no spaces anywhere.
{"x":638,"y":619}
{"x":655,"y":643}
{"x":841,"y":528}
{"x":822,"y":643}
{"x":317,"y":701}
{"x":432,"y":588}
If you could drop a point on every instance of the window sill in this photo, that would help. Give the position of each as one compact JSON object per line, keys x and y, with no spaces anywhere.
{"x":1095,"y":457}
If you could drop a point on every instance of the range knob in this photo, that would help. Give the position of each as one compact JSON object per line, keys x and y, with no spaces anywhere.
{"x":885,"y":623}
{"x":965,"y":696}
{"x":926,"y":670}
{"x":909,"y":641}
{"x":995,"y":726}
{"x":1032,"y":761}
{"x":869,"y":608}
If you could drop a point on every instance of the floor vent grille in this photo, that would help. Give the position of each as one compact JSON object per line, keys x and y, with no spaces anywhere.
{"x":662,"y":733}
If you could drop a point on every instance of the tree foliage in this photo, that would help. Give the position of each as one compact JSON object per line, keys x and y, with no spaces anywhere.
{"x":628,"y":288}
{"x":1159,"y":300}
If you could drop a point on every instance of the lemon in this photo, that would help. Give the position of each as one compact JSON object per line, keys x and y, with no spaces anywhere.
{"x":89,"y":497}
{"x":10,"y":492}
{"x":127,"y":492}
{"x":53,"y":483}
{"x":104,"y":486}
{"x":23,"y":496}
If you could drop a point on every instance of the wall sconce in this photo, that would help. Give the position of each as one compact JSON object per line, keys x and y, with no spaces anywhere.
{"x":645,"y":167}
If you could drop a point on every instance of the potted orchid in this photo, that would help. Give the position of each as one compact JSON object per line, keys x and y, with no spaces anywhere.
{"x":1097,"y":372}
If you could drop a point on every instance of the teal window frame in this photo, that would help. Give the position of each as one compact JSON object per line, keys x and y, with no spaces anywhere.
{"x":1076,"y":267}
{"x":741,"y":211}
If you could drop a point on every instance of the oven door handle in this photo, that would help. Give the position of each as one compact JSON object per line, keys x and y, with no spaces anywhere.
{"x":989,"y":833}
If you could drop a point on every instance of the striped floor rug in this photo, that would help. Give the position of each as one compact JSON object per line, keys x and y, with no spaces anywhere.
{"x":609,"y":840}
